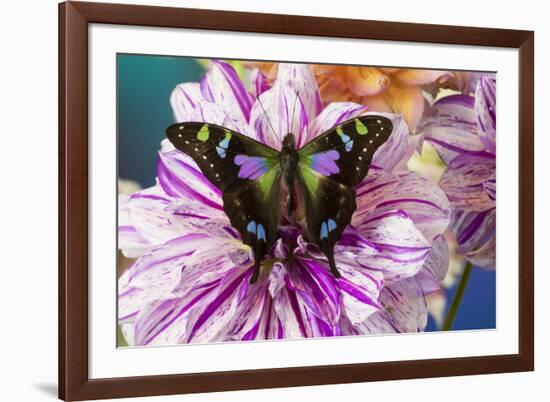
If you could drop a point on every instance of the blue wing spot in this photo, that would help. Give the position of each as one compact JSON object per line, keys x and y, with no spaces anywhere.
{"x":261,"y":232}
{"x":346,"y":139}
{"x":251,"y":227}
{"x":223,"y":145}
{"x":331,"y":225}
{"x":324,"y":230}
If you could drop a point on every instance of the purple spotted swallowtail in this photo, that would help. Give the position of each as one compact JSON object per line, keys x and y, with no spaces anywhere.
{"x":319,"y":178}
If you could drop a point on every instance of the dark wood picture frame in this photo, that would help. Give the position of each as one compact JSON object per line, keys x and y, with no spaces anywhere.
{"x":74,"y":381}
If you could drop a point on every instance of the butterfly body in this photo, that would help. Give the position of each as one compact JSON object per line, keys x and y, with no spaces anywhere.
{"x":318,"y":177}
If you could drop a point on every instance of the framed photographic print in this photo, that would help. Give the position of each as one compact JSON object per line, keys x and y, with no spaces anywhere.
{"x":314,"y":204}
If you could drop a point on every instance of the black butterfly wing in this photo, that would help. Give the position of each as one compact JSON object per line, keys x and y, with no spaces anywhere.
{"x":345,"y":152}
{"x":248,"y":174}
{"x":329,"y":167}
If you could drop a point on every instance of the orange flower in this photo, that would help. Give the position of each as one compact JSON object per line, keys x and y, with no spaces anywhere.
{"x":392,"y":90}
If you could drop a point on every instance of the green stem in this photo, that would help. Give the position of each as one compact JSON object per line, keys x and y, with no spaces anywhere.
{"x":451,"y":313}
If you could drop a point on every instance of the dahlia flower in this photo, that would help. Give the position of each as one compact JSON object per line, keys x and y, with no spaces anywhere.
{"x":190,"y":279}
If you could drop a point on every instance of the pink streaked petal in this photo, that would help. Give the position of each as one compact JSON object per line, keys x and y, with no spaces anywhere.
{"x":314,"y":287}
{"x":289,"y":314}
{"x":221,"y":85}
{"x":404,"y":307}
{"x":475,"y":233}
{"x":387,"y":243}
{"x":130,"y":241}
{"x":395,"y":151}
{"x":214,"y":321}
{"x":180,"y":177}
{"x":486,"y":109}
{"x":302,"y":80}
{"x":185,"y":99}
{"x":332,"y":115}
{"x":359,"y":291}
{"x":423,"y":202}
{"x":250,"y":319}
{"x":279,"y":111}
{"x":376,"y":186}
{"x":154,"y":275}
{"x":435,"y":268}
{"x":258,"y":82}
{"x":464,"y":182}
{"x":450,"y":126}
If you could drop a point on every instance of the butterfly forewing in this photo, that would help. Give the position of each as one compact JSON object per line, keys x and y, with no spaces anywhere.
{"x":246,"y":171}
{"x":329,"y":167}
{"x":344,"y":153}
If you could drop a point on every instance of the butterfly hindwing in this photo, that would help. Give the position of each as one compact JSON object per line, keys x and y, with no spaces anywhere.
{"x":344,"y":153}
{"x":329,"y":167}
{"x":248,"y":174}
{"x":329,"y":206}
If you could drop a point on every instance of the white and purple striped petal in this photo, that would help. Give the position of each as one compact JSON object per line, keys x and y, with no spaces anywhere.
{"x":486,"y":109}
{"x":451,"y":127}
{"x":475,"y":234}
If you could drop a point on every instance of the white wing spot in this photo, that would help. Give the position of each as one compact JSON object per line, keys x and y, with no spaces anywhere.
{"x":364,"y":149}
{"x":379,"y":121}
{"x":211,"y":165}
{"x":196,"y":149}
{"x":187,"y":142}
{"x":378,"y":134}
{"x":370,"y":142}
{"x":204,"y":157}
{"x":180,"y":135}
{"x":357,"y":168}
{"x":360,"y":158}
{"x":381,"y":128}
{"x":217,"y":175}
{"x":181,"y":127}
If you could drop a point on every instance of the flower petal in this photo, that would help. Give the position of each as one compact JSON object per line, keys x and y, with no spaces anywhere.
{"x":475,"y":233}
{"x":366,"y":81}
{"x":464,"y":181}
{"x":407,"y":101}
{"x":388,"y":243}
{"x":435,"y":268}
{"x":423,"y":202}
{"x":180,"y":177}
{"x":451,"y":127}
{"x":258,"y":82}
{"x":130,"y":241}
{"x":413,"y":76}
{"x":486,"y":109}
{"x":222,"y":86}
{"x":405,"y":310}
{"x":154,"y":275}
{"x":359,"y":290}
{"x":185,"y":99}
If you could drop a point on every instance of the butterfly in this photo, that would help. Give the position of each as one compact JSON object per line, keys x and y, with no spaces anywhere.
{"x":319,"y":177}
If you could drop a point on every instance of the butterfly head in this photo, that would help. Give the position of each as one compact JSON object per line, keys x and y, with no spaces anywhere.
{"x":289,"y":142}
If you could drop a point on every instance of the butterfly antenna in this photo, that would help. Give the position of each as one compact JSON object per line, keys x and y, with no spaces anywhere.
{"x":266,"y":116}
{"x":293,"y":111}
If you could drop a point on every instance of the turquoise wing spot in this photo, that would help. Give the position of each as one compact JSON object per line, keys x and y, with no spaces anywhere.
{"x":203,"y":133}
{"x":223,"y":144}
{"x":346,"y":139}
{"x":331,"y":225}
{"x":251,"y":227}
{"x":256,"y":229}
{"x":360,"y":127}
{"x":260,"y":234}
{"x":324,"y":230}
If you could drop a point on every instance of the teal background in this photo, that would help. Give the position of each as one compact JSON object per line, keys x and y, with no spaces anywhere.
{"x":144,"y":87}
